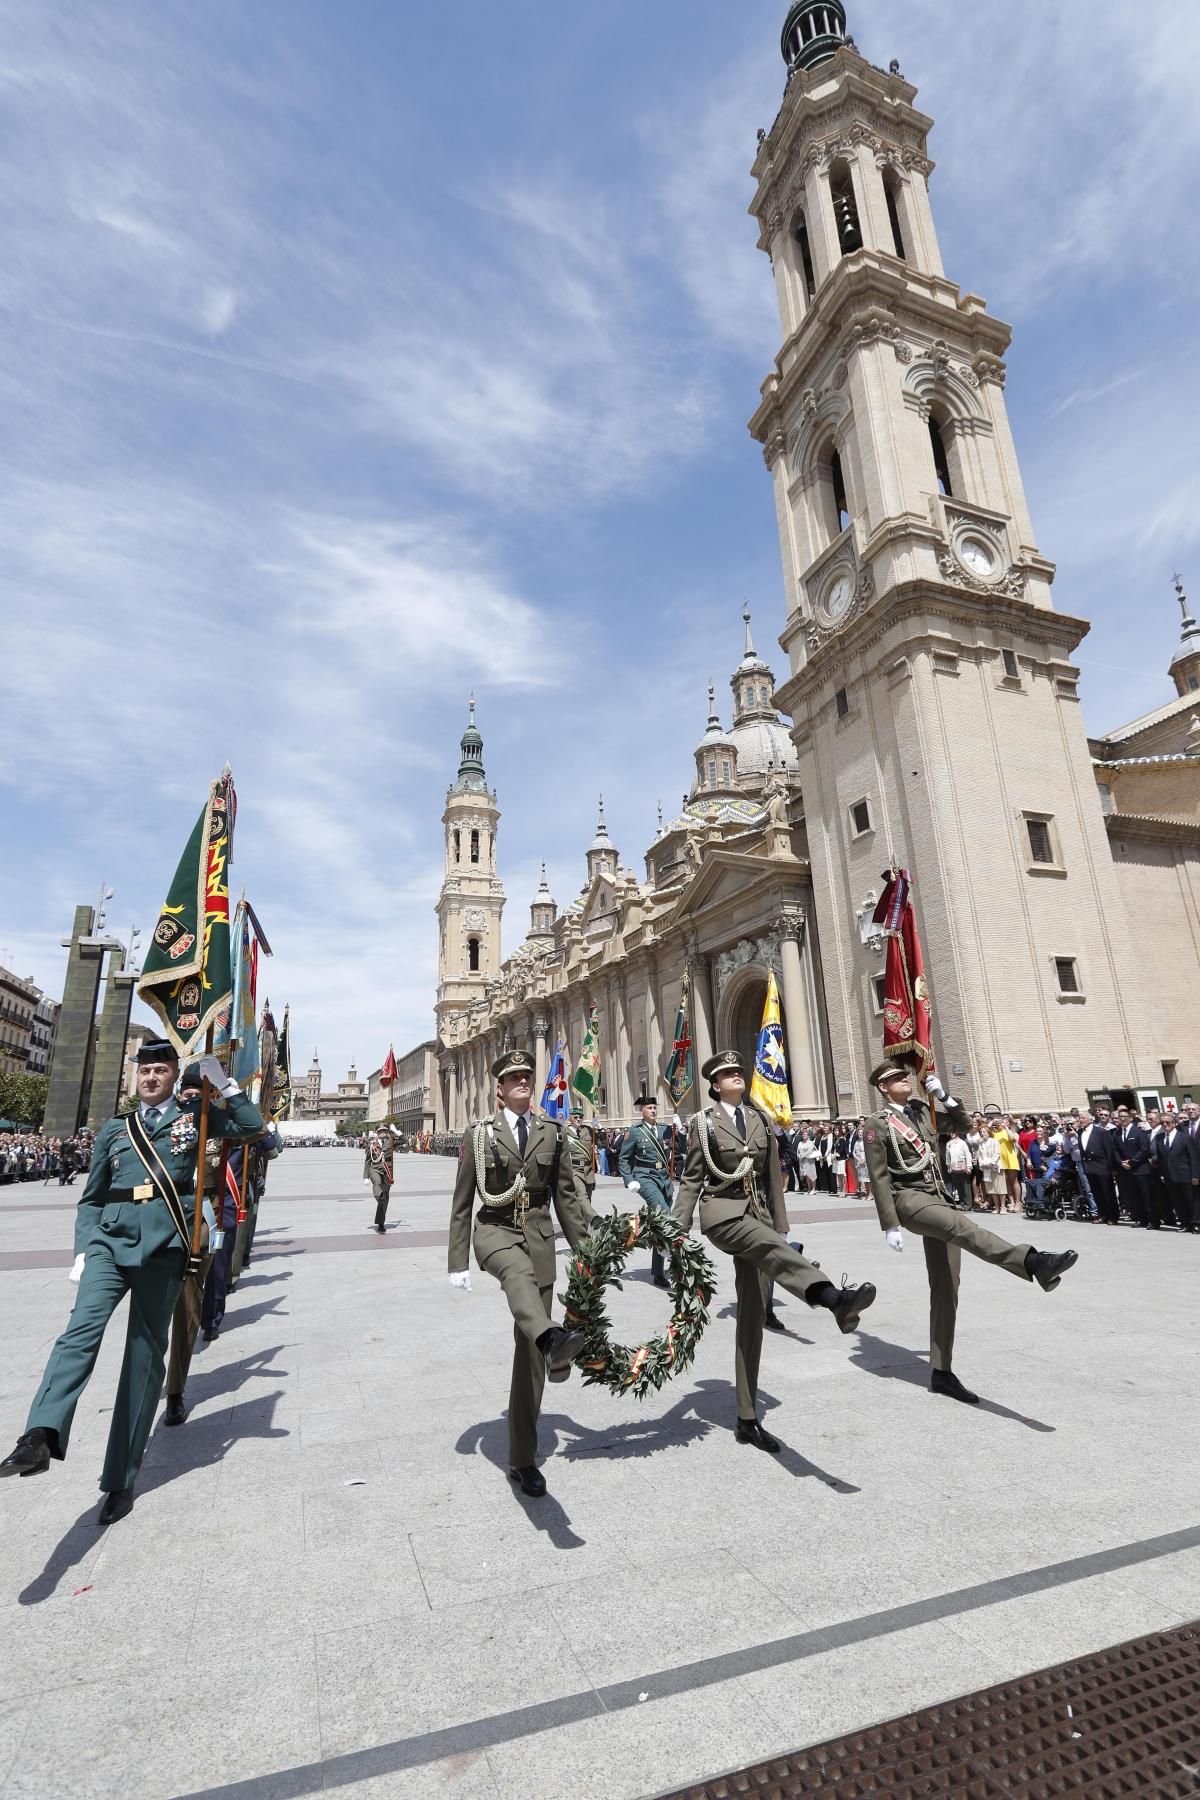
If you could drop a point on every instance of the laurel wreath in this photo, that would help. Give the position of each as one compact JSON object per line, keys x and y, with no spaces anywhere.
{"x":597,"y":1265}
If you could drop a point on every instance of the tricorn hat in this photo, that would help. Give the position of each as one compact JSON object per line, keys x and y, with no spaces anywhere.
{"x":191,"y":1076}
{"x":513,"y":1062}
{"x":886,"y":1070}
{"x":645,"y":1100}
{"x":156,"y":1050}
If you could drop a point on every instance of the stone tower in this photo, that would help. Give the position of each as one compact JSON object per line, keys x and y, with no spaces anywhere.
{"x":934,"y":702}
{"x":472,"y":898}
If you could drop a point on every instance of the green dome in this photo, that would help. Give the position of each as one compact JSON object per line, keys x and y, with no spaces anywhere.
{"x":813,"y":31}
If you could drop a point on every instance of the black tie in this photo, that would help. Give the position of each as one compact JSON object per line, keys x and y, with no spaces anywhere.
{"x":522,"y":1134}
{"x":739,"y":1119}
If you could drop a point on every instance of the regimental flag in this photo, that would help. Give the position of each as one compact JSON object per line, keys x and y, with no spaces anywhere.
{"x":586,"y":1079}
{"x":556,"y":1100}
{"x":679,"y":1075}
{"x":769,"y":1087}
{"x":389,"y":1073}
{"x":267,"y":1036}
{"x":187,"y":977}
{"x":907,"y":1014}
{"x":236,"y":1039}
{"x":281,"y":1087}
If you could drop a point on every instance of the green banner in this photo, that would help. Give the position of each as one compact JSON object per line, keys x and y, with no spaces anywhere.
{"x":281,"y":1088}
{"x":586,"y":1079}
{"x":679,"y":1069}
{"x":187,"y":978}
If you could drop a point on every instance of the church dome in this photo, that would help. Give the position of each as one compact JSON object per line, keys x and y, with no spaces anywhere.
{"x":763,"y":744}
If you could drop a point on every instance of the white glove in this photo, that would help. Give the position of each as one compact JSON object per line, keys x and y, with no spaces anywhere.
{"x":634,"y":1187}
{"x":933,"y":1085}
{"x":212,"y":1071}
{"x":76,"y":1268}
{"x":895,"y":1238}
{"x":461,"y":1279}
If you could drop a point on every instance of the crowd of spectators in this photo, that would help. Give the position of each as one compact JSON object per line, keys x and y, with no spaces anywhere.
{"x":28,"y":1156}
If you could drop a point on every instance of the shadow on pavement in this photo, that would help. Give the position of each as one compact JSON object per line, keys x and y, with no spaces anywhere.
{"x":895,"y":1362}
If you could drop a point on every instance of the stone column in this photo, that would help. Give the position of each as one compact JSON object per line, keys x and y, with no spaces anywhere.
{"x":451,"y":1121}
{"x":109,"y":1066}
{"x":624,"y":1090}
{"x":541,"y":1026}
{"x":76,"y":1022}
{"x":805,"y":1072}
{"x":654,"y":1046}
{"x":700,"y":991}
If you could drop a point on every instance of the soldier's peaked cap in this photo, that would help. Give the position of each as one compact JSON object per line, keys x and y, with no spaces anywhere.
{"x":513,"y":1062}
{"x":156,"y":1050}
{"x":724,"y":1060}
{"x":886,"y":1070}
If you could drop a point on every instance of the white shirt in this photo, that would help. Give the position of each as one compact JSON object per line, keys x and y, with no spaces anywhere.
{"x":958,"y":1157}
{"x":512,"y":1117}
{"x":160,"y":1106}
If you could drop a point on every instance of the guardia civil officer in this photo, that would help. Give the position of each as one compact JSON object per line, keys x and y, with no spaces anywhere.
{"x":379,"y":1170}
{"x":514,"y":1164}
{"x":642,"y":1165}
{"x":733,"y":1171}
{"x":189,"y":1307}
{"x":908,"y":1188}
{"x":581,"y":1142}
{"x":132,"y":1235}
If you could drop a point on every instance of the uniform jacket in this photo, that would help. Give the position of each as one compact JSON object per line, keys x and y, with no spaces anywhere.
{"x":719,"y":1204}
{"x":379,"y":1156}
{"x":895,"y":1166}
{"x":580,"y":1140}
{"x":116,"y":1164}
{"x":548,"y":1169}
{"x":643,"y":1159}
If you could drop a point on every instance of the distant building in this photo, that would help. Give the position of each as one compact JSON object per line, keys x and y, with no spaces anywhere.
{"x":410,"y":1101}
{"x":347,"y":1100}
{"x":42,"y":1035}
{"x":18,"y":1003}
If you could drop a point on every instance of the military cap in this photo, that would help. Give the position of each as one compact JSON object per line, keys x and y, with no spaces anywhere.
{"x":645,"y":1100}
{"x":513,"y":1062}
{"x":887,"y":1071}
{"x":191,"y":1077}
{"x":156,"y":1050}
{"x":723,"y":1061}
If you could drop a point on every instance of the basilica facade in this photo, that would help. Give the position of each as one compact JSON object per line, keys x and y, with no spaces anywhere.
{"x":934,"y":716}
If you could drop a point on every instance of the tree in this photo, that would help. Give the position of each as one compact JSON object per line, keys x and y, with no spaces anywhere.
{"x":23,"y":1099}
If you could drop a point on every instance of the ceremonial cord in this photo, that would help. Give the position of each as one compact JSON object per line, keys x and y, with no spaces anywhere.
{"x":510,"y":1195}
{"x":721,"y":1177}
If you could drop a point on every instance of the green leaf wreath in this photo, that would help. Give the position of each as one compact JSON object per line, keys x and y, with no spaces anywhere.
{"x":597,"y":1265}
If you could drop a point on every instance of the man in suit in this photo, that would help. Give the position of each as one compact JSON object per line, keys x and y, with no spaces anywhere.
{"x":1097,"y":1152}
{"x":908,"y":1188}
{"x":1131,"y":1148}
{"x":732,"y":1170}
{"x":642,"y":1166}
{"x":515,"y":1164}
{"x":132,"y":1235}
{"x":1177,"y":1154}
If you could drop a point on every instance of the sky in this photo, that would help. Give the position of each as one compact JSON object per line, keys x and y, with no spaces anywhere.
{"x":360,"y":357}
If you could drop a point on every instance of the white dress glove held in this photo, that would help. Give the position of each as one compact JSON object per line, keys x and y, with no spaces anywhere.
{"x":895,"y":1238}
{"x":76,"y":1269}
{"x":461,"y":1278}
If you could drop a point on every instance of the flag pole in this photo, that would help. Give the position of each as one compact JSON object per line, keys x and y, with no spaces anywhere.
{"x":201,"y":1148}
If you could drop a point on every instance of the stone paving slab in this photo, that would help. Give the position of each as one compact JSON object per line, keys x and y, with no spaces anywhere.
{"x":329,"y":1583}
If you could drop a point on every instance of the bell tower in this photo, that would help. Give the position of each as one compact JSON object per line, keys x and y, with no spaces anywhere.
{"x":471,"y":902}
{"x":934,"y":702}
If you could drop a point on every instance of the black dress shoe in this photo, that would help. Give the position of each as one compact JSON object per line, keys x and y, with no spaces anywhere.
{"x":749,"y":1431}
{"x":660,"y":1281}
{"x":211,"y":1332}
{"x":176,"y":1411}
{"x":560,"y":1348}
{"x":1048,"y":1267}
{"x":849,"y":1305}
{"x":941,"y":1381}
{"x":773,"y":1322}
{"x":381,"y":1229}
{"x":31,"y":1455}
{"x":531,"y":1481}
{"x":116,"y":1505}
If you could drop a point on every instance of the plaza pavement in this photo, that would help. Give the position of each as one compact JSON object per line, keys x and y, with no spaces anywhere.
{"x":328,"y":1582}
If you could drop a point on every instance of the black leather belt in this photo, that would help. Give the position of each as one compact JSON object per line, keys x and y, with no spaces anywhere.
{"x":139,"y":1196}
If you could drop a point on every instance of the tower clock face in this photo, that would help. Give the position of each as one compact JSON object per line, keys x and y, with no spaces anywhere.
{"x":977,"y":556}
{"x":838,"y":596}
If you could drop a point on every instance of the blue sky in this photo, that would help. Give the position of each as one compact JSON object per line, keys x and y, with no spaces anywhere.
{"x":361,"y":356}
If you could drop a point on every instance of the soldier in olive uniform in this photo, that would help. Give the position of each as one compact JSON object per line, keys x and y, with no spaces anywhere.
{"x":185,"y":1320}
{"x":515,"y":1164}
{"x":581,"y":1142}
{"x":642,"y":1165}
{"x":379,"y":1170}
{"x":131,"y":1236}
{"x":733,"y":1171}
{"x":908,"y":1188}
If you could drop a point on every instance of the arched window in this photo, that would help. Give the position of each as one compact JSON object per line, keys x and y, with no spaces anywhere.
{"x":764,"y":697}
{"x":474,"y":846}
{"x":804,"y":255}
{"x":457,"y":847}
{"x":724,"y":771}
{"x":891,"y":193}
{"x":845,"y":206}
{"x":473,"y":955}
{"x":940,"y":466}
{"x":712,"y":771}
{"x":839,"y":491}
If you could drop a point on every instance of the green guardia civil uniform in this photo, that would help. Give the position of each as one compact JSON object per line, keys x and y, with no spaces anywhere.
{"x":643,"y":1158}
{"x":124,"y":1229}
{"x":744,"y":1215}
{"x":514,"y":1241}
{"x":909,"y":1190}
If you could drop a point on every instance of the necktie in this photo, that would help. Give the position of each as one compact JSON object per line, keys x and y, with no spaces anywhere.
{"x":739,"y":1119}
{"x":152,"y":1117}
{"x":522,"y":1135}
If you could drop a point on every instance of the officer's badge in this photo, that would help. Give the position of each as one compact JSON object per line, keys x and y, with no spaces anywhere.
{"x":115,"y":1162}
{"x":183,"y":1132}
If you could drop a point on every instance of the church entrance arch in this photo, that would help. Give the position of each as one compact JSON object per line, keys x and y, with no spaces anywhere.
{"x":739,"y":1016}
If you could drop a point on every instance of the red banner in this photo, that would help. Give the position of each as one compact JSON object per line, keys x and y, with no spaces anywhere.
{"x":389,"y":1071}
{"x":907,"y":1015}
